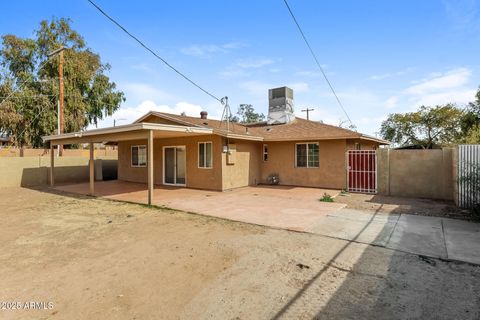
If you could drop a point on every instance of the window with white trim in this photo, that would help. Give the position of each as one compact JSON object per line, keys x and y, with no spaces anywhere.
{"x":265,"y":152}
{"x":307,"y":155}
{"x":205,"y":155}
{"x":139,"y":156}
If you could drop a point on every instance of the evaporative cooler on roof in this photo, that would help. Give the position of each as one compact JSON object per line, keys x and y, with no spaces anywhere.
{"x":280,"y":106}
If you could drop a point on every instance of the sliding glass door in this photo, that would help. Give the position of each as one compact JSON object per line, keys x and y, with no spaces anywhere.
{"x":174,"y":163}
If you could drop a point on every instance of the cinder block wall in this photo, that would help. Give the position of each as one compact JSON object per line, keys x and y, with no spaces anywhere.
{"x":33,"y":171}
{"x":416,"y":173}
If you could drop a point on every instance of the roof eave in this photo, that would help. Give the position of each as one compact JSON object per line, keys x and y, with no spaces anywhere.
{"x":369,"y":138}
{"x":163,"y":116}
{"x":237,"y":136}
{"x":127,"y":128}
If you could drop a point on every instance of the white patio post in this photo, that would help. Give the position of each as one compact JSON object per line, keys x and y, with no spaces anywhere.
{"x":91,"y":164}
{"x":150,"y":166}
{"x":52,"y":163}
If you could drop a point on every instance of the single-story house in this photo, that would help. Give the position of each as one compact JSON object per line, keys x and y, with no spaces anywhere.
{"x":198,"y":152}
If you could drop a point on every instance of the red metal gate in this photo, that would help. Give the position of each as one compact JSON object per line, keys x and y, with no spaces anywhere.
{"x":362,"y":171}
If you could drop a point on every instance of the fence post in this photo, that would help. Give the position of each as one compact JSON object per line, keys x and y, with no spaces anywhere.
{"x":388,"y":171}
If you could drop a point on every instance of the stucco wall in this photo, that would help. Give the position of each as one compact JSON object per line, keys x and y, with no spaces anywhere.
{"x":195,"y":177}
{"x":15,"y":152}
{"x":416,"y":173}
{"x":246,"y":169}
{"x":330,"y":174}
{"x":249,"y":167}
{"x":34,"y":171}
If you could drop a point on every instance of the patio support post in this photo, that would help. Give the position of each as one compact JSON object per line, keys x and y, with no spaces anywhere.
{"x":150,"y":166}
{"x":52,"y":164}
{"x":91,"y":165}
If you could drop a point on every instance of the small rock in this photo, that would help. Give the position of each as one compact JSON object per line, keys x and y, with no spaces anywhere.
{"x":303,"y":266}
{"x":109,"y":221}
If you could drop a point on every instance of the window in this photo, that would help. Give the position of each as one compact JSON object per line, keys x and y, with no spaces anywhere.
{"x":139,"y":156}
{"x":265,"y":152}
{"x":306,"y":155}
{"x":204,"y":154}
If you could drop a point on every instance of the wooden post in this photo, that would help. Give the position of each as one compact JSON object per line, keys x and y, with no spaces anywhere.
{"x":150,"y":166}
{"x":91,"y":165}
{"x":52,"y":164}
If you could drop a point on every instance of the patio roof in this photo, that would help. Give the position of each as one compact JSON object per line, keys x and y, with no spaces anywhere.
{"x":126,"y":132}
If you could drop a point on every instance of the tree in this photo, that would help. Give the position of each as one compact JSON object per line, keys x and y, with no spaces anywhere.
{"x":246,"y":114}
{"x":471,"y":121}
{"x":427,"y":127}
{"x":30,"y":80}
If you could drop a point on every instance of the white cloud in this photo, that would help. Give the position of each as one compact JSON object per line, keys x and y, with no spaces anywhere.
{"x":142,"y":91}
{"x":299,"y":87}
{"x":391,"y":102}
{"x":241,"y":67}
{"x":308,"y":74}
{"x":259,"y":88}
{"x":256,"y":88}
{"x":253,"y":63}
{"x":456,"y":96}
{"x":318,"y":114}
{"x":391,"y":74}
{"x":441,"y":88}
{"x":207,"y":50}
{"x":126,"y":115}
{"x":449,"y":80}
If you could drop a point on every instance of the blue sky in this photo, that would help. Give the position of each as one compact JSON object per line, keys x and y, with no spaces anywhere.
{"x":381,"y":56}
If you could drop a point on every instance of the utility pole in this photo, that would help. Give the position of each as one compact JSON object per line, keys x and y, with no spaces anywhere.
{"x":61,"y":122}
{"x":308,"y":112}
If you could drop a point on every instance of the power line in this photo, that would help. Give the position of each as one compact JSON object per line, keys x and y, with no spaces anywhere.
{"x":316,"y":60}
{"x":151,"y":51}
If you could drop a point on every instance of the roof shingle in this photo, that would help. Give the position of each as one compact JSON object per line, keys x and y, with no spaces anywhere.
{"x":298,"y":129}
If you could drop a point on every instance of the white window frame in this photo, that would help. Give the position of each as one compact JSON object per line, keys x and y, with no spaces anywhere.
{"x":307,"y":143}
{"x":265,"y":153}
{"x":143,"y":146}
{"x":205,"y":154}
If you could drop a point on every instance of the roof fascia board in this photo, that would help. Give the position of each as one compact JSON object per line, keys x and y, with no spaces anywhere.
{"x":127,"y":128}
{"x":157,"y":114}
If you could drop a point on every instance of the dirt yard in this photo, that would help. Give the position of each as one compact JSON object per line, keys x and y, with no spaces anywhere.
{"x":98,"y":259}
{"x":416,"y":206}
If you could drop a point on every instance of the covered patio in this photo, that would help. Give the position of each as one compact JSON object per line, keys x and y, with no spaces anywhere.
{"x":292,"y":208}
{"x":137,"y":131}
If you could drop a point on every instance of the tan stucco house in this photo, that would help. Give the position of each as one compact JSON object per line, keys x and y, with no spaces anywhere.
{"x":198,"y":152}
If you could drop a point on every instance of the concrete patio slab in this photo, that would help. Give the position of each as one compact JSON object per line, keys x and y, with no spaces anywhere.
{"x":291,"y":208}
{"x":358,"y":226}
{"x":419,"y":235}
{"x":463,"y":240}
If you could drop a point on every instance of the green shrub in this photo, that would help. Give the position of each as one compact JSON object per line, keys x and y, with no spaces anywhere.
{"x":326,"y":198}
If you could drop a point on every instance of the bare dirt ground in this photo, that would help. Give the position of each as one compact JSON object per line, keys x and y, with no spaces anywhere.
{"x":98,"y":259}
{"x":416,"y":206}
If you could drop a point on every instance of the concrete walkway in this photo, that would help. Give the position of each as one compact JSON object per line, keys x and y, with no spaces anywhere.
{"x":430,"y":236}
{"x":298,"y":209}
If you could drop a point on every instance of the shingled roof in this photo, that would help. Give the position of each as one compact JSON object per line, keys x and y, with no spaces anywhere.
{"x":298,"y":129}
